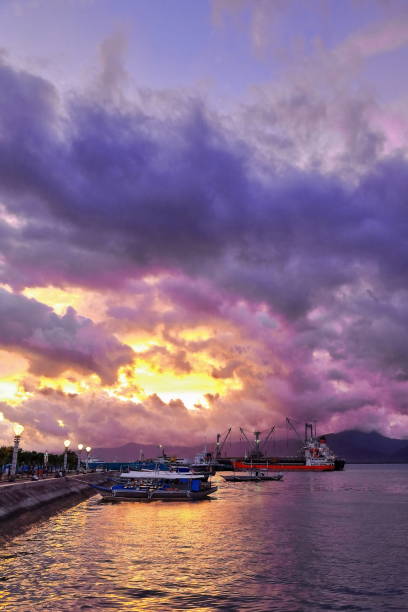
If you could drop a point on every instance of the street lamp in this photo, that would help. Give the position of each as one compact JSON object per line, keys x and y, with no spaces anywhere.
{"x":66,"y":444}
{"x":88,"y":452}
{"x":18,"y":430}
{"x":80,"y":447}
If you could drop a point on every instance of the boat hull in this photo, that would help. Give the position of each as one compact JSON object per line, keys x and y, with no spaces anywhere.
{"x":243,"y":478}
{"x":285,"y":467}
{"x":134,"y":495}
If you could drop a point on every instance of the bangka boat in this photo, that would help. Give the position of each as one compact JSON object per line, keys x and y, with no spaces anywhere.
{"x":202,"y":464}
{"x":253,"y":476}
{"x":163,"y":485}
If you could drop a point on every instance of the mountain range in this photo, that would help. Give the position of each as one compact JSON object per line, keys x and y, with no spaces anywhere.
{"x":352,"y":445}
{"x":361,"y":447}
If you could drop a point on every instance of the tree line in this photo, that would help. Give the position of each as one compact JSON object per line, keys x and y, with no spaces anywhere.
{"x":33,"y":459}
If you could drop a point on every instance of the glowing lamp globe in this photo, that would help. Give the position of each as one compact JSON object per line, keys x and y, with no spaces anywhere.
{"x":88,"y":449}
{"x":18,"y":429}
{"x":67,"y":443}
{"x":80,"y":447}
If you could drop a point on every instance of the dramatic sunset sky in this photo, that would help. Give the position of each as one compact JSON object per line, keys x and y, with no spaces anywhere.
{"x":203,"y":218}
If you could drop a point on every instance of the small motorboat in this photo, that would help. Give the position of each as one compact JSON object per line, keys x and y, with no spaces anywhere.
{"x":158,"y":484}
{"x":253,"y":476}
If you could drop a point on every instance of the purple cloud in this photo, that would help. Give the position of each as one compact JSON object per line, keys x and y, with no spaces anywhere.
{"x":304,"y":267}
{"x":55,"y":343}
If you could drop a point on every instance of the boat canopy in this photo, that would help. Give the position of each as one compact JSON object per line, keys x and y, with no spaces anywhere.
{"x":162,"y":475}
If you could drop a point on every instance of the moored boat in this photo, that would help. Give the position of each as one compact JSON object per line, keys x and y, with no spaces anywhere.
{"x":202,"y":464}
{"x":158,"y":485}
{"x":314,"y":456}
{"x":252,"y":476}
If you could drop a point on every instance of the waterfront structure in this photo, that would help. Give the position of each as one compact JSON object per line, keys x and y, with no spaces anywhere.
{"x":18,"y":430}
{"x":88,"y":454}
{"x":67,"y":444}
{"x":80,"y":447}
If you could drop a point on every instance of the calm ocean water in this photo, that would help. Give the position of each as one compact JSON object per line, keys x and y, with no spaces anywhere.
{"x":312,"y":542}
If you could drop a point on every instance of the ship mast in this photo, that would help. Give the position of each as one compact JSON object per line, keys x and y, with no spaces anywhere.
{"x":308,"y":428}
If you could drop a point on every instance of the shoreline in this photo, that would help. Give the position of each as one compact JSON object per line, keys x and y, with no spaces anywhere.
{"x":26,"y":503}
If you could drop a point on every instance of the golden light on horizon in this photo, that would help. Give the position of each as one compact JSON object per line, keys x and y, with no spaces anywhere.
{"x":86,"y":303}
{"x":12,"y":392}
{"x":149,"y":376}
{"x":69,"y":383}
{"x":163,"y":365}
{"x":197,"y":334}
{"x":190,"y":387}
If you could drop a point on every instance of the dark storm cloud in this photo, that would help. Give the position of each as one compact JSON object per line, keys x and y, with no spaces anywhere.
{"x":108,"y":193}
{"x":55,"y":343}
{"x":102,"y":195}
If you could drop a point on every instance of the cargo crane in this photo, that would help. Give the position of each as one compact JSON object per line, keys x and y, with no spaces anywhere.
{"x":298,"y":436}
{"x":313,"y":455}
{"x":291,"y":425}
{"x":220,"y":445}
{"x":256,"y":446}
{"x":310,"y":431}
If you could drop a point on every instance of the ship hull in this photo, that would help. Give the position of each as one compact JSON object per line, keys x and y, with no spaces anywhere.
{"x":286,"y":467}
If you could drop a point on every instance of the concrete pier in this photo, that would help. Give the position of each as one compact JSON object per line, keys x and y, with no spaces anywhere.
{"x":22,"y":504}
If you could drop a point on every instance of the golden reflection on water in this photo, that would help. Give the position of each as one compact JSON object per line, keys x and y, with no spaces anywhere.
{"x":260,"y":546}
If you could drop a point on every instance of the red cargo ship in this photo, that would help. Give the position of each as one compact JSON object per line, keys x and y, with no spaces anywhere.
{"x":315,"y":456}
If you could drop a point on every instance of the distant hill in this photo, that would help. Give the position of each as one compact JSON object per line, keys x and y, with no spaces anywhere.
{"x":361,"y":447}
{"x":352,"y":445}
{"x":237,"y":448}
{"x":133,"y":451}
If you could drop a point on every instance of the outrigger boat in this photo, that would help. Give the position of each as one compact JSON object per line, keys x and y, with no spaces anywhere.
{"x":253,"y":476}
{"x":163,"y":485}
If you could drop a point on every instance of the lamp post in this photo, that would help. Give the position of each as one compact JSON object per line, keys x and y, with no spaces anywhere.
{"x":45,"y":473}
{"x":18,"y":430}
{"x":80,"y":447}
{"x":88,"y":453}
{"x":66,"y":444}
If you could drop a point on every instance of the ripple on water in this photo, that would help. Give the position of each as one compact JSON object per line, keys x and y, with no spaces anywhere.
{"x":311,"y":542}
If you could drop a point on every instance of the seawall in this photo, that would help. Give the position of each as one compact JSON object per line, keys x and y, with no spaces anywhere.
{"x":25,"y":503}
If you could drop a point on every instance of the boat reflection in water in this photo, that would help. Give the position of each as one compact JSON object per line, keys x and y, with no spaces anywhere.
{"x":151,"y":485}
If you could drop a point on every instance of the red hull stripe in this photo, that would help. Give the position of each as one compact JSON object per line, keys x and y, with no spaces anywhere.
{"x":277,"y":467}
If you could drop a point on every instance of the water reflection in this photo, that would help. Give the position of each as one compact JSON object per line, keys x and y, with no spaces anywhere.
{"x":314,"y":541}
